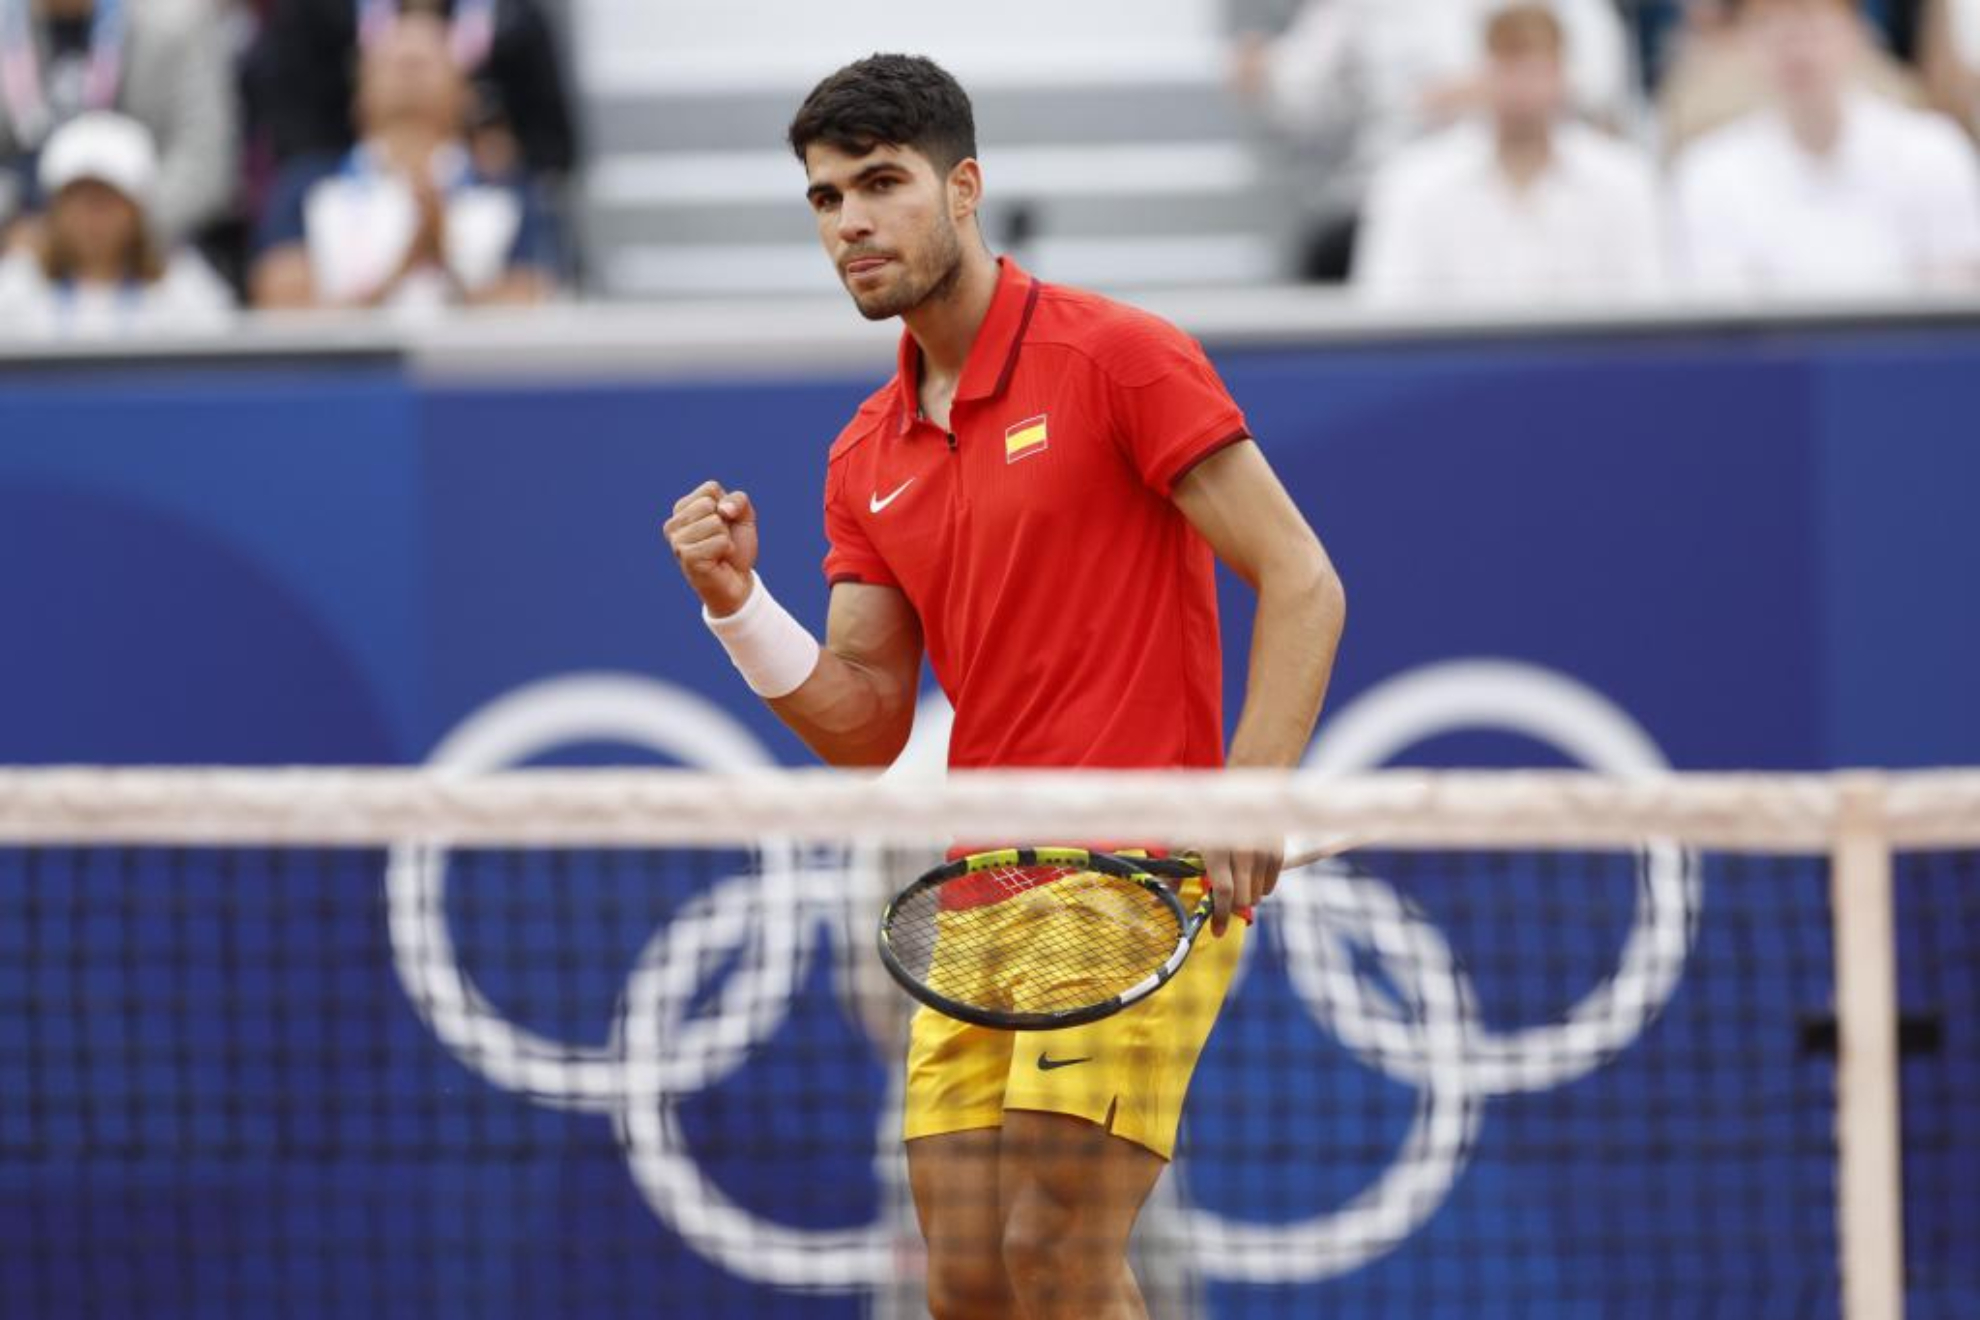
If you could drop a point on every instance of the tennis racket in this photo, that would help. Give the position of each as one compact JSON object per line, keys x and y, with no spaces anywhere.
{"x":1033,"y":939}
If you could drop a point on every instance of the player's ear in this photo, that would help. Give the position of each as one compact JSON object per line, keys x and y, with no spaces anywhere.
{"x":965,"y":189}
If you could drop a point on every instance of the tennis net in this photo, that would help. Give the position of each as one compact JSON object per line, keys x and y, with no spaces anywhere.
{"x":381,"y":1043}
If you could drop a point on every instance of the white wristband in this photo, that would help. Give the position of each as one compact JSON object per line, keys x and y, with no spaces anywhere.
{"x":772,"y":651}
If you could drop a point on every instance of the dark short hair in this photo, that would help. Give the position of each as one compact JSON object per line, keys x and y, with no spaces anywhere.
{"x":889,"y":100}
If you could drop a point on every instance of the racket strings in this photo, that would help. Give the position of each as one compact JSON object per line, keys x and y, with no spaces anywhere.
{"x":1034,"y":939}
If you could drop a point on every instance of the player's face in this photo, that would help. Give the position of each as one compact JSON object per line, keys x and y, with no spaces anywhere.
{"x":888,"y":223}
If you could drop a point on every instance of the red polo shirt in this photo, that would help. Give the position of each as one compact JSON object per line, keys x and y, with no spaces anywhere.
{"x":1068,"y":608}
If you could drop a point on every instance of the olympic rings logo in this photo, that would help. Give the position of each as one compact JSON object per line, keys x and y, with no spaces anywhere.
{"x":1423,"y":1028}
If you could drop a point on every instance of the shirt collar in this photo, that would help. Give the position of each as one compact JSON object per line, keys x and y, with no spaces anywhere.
{"x":993,"y":357}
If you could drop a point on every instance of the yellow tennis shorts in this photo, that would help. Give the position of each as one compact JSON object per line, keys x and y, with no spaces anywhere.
{"x":1127,"y":1073}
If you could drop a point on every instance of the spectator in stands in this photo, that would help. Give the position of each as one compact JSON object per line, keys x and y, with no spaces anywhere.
{"x":1831,"y":191}
{"x":165,"y":63}
{"x":1350,"y":81}
{"x":1950,"y":54}
{"x":1518,"y":205}
{"x":404,"y":219}
{"x":1715,"y":74}
{"x":302,"y":77}
{"x":95,"y":265}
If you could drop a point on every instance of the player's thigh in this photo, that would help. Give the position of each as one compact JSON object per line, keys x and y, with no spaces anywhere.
{"x":954,"y":1178}
{"x":1070,"y":1186}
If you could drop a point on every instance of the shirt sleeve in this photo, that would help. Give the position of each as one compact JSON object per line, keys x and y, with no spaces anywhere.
{"x":851,"y":557}
{"x":1966,"y":31}
{"x":1598,"y":58}
{"x":1948,"y":208}
{"x":1706,"y":231}
{"x":191,"y":296}
{"x":196,"y":119}
{"x":1307,"y":88}
{"x":1389,"y":251}
{"x":23,"y":289}
{"x":1171,"y":411}
{"x":1641,"y":248}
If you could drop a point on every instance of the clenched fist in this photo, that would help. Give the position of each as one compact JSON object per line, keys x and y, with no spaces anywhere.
{"x":713,"y":537}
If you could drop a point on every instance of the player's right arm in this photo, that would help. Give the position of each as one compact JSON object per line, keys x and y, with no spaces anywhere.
{"x":857,"y":707}
{"x":851,"y":700}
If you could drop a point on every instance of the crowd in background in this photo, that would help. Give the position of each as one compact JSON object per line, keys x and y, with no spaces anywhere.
{"x":164,"y":161}
{"x":1469,"y":151}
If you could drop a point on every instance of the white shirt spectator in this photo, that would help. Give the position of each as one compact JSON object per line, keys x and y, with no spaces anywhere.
{"x":357,"y":220}
{"x":1894,"y":208}
{"x":361,"y":224}
{"x":1444,"y":224}
{"x":1349,"y":77}
{"x":96,"y":268}
{"x":188,"y":298}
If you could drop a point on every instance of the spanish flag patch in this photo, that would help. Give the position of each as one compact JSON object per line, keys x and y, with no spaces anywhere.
{"x":1025,"y":439}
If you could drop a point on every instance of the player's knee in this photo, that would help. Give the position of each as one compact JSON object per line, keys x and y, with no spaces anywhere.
{"x":1042,"y":1242}
{"x":967,"y":1287}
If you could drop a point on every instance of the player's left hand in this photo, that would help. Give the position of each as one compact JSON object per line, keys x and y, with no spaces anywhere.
{"x":1239,"y":878}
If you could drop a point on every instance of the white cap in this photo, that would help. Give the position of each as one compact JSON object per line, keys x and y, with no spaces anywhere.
{"x":109,"y":148}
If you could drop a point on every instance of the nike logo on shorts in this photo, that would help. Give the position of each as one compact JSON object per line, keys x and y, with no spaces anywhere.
{"x":1046,"y":1063}
{"x":877,"y":504}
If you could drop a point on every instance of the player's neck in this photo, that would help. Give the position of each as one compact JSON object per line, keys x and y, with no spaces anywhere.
{"x":945,"y":326}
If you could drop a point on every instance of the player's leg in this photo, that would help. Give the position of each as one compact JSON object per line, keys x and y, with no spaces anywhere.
{"x":956,"y":1078}
{"x":1071,"y":1193}
{"x":1090,"y":1121}
{"x":954,"y":1178}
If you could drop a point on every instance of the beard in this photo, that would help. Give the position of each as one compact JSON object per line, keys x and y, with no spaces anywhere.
{"x":928,"y":280}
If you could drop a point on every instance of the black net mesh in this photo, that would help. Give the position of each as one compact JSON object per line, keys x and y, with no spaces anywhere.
{"x":245,"y":1082}
{"x":1938,"y":926}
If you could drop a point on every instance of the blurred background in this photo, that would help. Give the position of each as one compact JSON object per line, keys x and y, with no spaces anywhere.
{"x":612,"y":150}
{"x":1625,"y":354}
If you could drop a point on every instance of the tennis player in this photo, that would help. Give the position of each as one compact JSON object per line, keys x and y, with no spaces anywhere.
{"x":1034,"y":502}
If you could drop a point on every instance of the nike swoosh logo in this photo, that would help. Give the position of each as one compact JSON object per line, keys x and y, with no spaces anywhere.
{"x":1046,"y":1063}
{"x":877,"y":504}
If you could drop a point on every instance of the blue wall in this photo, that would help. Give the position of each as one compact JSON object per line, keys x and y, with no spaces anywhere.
{"x":1760,"y":547}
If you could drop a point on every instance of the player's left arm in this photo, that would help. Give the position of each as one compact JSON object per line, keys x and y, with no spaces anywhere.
{"x":1236,"y":501}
